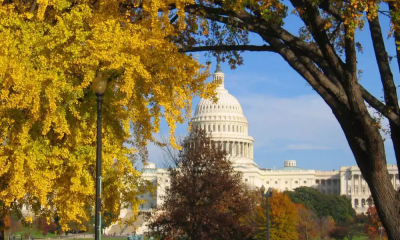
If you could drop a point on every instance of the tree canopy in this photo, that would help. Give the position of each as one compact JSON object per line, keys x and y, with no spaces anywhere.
{"x":206,"y":198}
{"x":283,"y":218}
{"x":338,"y":207}
{"x":50,"y":51}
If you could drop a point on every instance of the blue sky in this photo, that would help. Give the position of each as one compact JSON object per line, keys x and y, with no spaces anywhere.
{"x":287,"y":119}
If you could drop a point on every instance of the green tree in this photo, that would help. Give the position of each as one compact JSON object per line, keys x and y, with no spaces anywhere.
{"x":339,"y":207}
{"x":355,"y":227}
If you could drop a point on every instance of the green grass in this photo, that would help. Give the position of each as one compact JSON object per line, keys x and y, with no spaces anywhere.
{"x":360,"y":238}
{"x":34,"y":233}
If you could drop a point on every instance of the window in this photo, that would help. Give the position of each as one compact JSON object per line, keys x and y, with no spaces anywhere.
{"x":267,"y":182}
{"x":223,"y":128}
{"x":219,"y":128}
{"x":214,"y":128}
{"x":209,"y":128}
{"x":229,"y":128}
{"x":296,"y":182}
{"x":317,"y":181}
{"x":305,"y":182}
{"x":245,"y":180}
{"x":276,"y":182}
{"x":285,"y":182}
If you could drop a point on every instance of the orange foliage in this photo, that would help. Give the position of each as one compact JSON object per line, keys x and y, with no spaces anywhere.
{"x":371,"y":228}
{"x":283,"y":217}
{"x":306,"y":226}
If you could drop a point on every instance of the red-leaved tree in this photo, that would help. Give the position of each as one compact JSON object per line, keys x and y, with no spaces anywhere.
{"x":206,"y":198}
{"x":373,"y":226}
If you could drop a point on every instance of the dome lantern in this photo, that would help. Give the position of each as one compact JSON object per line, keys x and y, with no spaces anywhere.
{"x":219,"y":76}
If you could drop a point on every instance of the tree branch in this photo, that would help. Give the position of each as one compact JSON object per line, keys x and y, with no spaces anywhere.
{"x":328,"y":7}
{"x":382,"y":60}
{"x":261,"y":48}
{"x":317,"y":26}
{"x":380,"y":107}
{"x":297,"y":65}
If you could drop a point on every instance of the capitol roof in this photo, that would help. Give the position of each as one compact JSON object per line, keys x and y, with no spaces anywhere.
{"x":227,"y":105}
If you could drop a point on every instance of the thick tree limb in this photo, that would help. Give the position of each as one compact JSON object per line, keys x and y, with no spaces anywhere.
{"x":393,"y":9}
{"x":382,"y":61}
{"x":261,"y":48}
{"x":323,"y":80}
{"x":387,"y":80}
{"x":317,"y":26}
{"x":297,"y":65}
{"x":327,"y":6}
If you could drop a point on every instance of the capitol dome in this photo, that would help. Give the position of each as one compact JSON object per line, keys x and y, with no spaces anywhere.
{"x":226,"y":123}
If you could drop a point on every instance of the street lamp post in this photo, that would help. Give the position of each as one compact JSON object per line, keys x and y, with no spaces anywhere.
{"x":266,"y":195}
{"x":99,"y":86}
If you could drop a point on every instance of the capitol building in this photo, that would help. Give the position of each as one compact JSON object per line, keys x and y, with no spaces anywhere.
{"x":228,"y":127}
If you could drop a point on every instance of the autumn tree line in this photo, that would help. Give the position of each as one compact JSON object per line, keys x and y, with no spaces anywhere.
{"x":50,"y":52}
{"x":207,"y":199}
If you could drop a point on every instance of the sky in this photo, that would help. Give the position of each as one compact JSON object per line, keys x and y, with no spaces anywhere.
{"x":287,"y":119}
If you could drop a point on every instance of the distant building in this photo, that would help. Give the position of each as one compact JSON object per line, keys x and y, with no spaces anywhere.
{"x":228,"y":127}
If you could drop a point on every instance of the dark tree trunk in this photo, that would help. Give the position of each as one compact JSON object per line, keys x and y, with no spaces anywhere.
{"x":2,"y":230}
{"x":370,"y":157}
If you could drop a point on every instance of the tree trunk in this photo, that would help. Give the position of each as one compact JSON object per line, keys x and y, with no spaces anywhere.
{"x":370,"y":156}
{"x":2,"y":230}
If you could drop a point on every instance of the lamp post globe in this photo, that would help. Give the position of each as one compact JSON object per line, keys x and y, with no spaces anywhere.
{"x":270,"y":191}
{"x":99,"y":86}
{"x":262,"y":189}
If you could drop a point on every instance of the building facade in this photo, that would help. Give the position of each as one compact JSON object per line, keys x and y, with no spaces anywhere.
{"x":228,"y":126}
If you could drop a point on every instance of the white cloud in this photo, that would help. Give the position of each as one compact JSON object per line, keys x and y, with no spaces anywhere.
{"x":303,"y":122}
{"x":304,"y":147}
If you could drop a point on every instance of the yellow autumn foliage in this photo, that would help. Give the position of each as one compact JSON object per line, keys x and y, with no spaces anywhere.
{"x":283,"y":218}
{"x":50,"y":51}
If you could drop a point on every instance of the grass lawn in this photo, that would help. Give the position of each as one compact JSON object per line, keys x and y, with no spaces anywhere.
{"x":34,"y":233}
{"x":360,"y":238}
